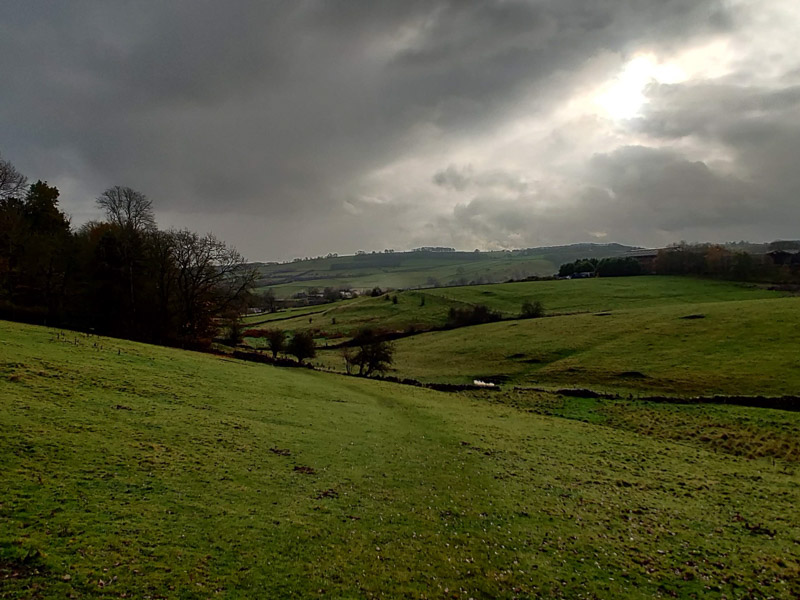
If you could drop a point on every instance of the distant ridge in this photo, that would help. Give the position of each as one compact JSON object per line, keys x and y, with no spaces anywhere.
{"x":432,"y":266}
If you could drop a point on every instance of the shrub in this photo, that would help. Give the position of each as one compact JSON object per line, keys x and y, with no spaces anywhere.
{"x":474,"y":315}
{"x":302,"y":346}
{"x":531,"y":309}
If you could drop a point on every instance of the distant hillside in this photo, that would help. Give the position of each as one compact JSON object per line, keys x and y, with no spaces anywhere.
{"x":424,"y":268}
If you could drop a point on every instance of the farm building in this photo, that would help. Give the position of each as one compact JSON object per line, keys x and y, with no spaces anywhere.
{"x":646,"y":258}
{"x":785,"y":257}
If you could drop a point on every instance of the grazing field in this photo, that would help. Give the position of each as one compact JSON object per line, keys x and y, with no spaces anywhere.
{"x":426,"y":309}
{"x":740,"y":347}
{"x":603,"y":294}
{"x":740,"y":430}
{"x":423,"y":269}
{"x":136,"y":471}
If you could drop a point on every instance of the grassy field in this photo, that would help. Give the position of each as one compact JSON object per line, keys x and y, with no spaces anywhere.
{"x":739,"y":347}
{"x":627,"y":335}
{"x":425,"y":309}
{"x":423,"y":269}
{"x":136,"y":471}
{"x":743,"y":431}
{"x":603,"y":294}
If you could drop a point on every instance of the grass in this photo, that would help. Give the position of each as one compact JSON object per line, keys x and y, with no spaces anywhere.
{"x":603,"y":294}
{"x":136,"y":471}
{"x":746,"y":347}
{"x":742,"y":431}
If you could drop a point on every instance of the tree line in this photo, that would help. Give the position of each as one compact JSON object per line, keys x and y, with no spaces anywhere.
{"x":779,"y":262}
{"x":606,"y":267}
{"x":121,"y":276}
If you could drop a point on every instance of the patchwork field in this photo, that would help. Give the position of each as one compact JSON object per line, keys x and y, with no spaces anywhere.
{"x":635,"y":335}
{"x":137,"y":471}
{"x":423,"y":269}
{"x":425,"y":309}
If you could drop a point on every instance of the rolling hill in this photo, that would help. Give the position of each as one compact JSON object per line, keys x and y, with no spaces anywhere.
{"x":134,"y":471}
{"x":402,"y":270}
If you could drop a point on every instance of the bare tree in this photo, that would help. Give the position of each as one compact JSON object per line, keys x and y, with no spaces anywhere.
{"x":132,"y":213}
{"x":211,"y":278}
{"x":12,"y":182}
{"x":128,"y":209}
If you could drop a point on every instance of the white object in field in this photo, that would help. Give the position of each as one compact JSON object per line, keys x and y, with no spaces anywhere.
{"x":480,"y":383}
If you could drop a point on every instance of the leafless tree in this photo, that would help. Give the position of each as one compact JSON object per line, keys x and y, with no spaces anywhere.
{"x":211,"y":278}
{"x":130,"y":210}
{"x":12,"y":182}
{"x":132,"y":213}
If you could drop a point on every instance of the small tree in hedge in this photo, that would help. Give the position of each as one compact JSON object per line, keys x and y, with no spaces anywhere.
{"x":276,"y":341}
{"x":234,"y":325}
{"x":372,"y":354}
{"x":302,"y":346}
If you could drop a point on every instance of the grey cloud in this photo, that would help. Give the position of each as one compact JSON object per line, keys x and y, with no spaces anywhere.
{"x":662,"y":190}
{"x":721,"y":110}
{"x":632,"y":194}
{"x":453,"y":178}
{"x":758,"y":127}
{"x":281,"y":108}
{"x":460,"y":179}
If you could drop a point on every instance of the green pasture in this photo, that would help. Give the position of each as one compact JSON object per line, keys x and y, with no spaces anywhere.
{"x":745,"y":347}
{"x":602,"y":293}
{"x":137,"y":471}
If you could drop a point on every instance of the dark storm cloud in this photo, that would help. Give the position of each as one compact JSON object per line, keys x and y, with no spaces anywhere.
{"x":668,"y":192}
{"x":757,"y":126}
{"x":279,"y":109}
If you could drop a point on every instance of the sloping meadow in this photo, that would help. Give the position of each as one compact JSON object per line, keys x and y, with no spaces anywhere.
{"x":746,"y":347}
{"x":135,"y":471}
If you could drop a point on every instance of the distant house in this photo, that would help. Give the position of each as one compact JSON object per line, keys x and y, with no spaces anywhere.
{"x":646,"y":257}
{"x":582,"y":275}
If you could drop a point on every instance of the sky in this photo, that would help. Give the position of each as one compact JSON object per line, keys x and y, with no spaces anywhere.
{"x":293,"y":128}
